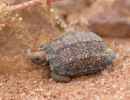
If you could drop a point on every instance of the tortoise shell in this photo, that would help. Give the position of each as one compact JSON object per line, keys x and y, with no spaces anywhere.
{"x":78,"y":53}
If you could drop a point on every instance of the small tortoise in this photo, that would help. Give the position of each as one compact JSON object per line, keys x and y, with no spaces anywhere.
{"x":75,"y":53}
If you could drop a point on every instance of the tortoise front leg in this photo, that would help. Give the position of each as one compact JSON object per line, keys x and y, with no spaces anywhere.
{"x":60,"y":78}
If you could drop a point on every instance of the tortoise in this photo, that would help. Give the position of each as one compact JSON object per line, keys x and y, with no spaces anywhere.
{"x":73,"y":54}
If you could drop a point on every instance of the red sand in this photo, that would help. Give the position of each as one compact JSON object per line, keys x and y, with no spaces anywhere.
{"x":35,"y":84}
{"x":22,"y":80}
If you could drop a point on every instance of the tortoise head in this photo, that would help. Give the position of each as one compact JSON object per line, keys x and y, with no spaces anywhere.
{"x":39,"y":57}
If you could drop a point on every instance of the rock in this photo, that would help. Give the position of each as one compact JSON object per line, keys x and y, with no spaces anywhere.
{"x":112,"y":21}
{"x":106,"y":18}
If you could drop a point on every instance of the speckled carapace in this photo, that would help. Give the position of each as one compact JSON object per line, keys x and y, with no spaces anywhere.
{"x":75,"y":53}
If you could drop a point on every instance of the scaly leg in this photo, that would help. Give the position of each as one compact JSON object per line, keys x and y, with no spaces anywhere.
{"x":60,"y":78}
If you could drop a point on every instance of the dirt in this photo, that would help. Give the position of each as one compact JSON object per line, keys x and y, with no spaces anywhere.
{"x":20,"y":79}
{"x":33,"y":81}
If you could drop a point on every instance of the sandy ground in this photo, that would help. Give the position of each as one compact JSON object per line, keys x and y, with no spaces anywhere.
{"x":20,"y":79}
{"x":34,"y":83}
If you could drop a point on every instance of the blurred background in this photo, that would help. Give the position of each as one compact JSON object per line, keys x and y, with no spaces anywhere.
{"x":26,"y":28}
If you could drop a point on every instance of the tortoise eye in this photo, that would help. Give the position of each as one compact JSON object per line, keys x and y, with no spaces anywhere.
{"x":37,"y":60}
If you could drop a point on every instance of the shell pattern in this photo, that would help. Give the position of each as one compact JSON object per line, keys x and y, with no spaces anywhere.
{"x":78,"y":53}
